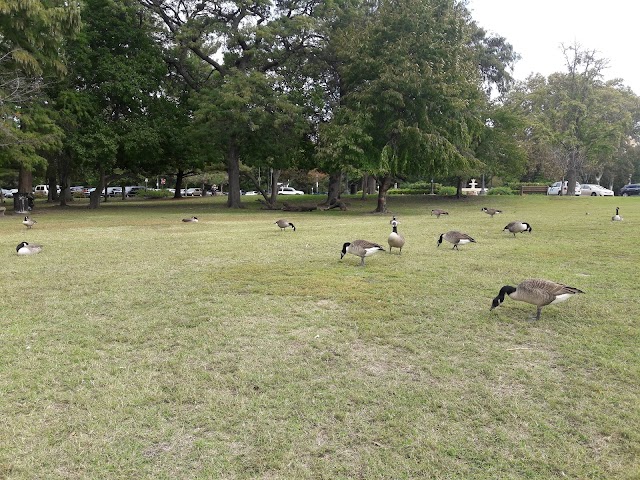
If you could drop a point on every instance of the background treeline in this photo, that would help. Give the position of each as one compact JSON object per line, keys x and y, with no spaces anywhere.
{"x":326,"y":94}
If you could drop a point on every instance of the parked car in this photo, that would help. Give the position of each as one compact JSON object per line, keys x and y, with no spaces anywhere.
{"x":630,"y":189}
{"x":6,"y":193}
{"x":87,"y":191}
{"x":251,"y":192}
{"x":194,"y":192}
{"x":114,"y":191}
{"x":133,"y":190}
{"x":43,"y":189}
{"x":589,"y":189}
{"x":555,"y":189}
{"x":289,"y":191}
{"x":76,"y":189}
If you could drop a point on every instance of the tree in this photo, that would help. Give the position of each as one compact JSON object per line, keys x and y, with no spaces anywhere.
{"x":243,"y":44}
{"x":582,"y":123}
{"x":31,"y":51}
{"x":114,"y":78}
{"x":410,"y":92}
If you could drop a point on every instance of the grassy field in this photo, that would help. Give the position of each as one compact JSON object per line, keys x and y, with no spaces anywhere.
{"x":138,"y":346}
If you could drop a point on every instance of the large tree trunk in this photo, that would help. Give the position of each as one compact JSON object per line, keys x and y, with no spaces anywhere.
{"x":274,"y":188}
{"x":233,"y":172}
{"x":333,"y":195}
{"x":385,"y":185}
{"x":179,"y":179}
{"x":94,"y":198}
{"x":25,"y":180}
{"x":459,"y":188}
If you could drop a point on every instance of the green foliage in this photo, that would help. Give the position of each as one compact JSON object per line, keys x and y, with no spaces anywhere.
{"x":500,"y":191}
{"x":164,"y":193}
{"x":446,"y":191}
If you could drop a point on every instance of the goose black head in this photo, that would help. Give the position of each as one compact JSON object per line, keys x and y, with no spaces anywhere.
{"x":440,"y":239}
{"x":344,"y":249}
{"x":292,"y":226}
{"x":506,"y":290}
{"x":20,"y":245}
{"x":528,"y":229}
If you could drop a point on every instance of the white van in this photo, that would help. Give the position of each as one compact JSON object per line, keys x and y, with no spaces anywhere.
{"x":43,"y":190}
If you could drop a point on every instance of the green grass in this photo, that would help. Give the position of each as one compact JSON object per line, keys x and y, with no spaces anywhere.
{"x":136,"y":346}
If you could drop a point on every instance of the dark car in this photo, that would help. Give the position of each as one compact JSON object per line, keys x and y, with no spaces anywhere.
{"x":631,"y":189}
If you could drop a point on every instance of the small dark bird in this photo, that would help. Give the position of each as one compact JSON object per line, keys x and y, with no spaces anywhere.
{"x":517,"y":227}
{"x":491,"y":211}
{"x":360,"y":248}
{"x":25,"y":248}
{"x":283,"y":224}
{"x":536,"y":291}
{"x":190,"y":220}
{"x":617,"y":217}
{"x":437,"y":212}
{"x":395,"y":239}
{"x":28,"y":222}
{"x":457,"y":238}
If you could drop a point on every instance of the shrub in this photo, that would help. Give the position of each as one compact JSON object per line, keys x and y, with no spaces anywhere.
{"x":500,"y":191}
{"x":446,"y":191}
{"x":164,"y":193}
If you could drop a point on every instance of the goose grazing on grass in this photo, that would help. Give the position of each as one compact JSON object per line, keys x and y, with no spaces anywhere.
{"x":190,"y":220}
{"x":517,"y":227}
{"x":395,"y":239}
{"x":283,"y":224}
{"x":25,"y":248}
{"x":437,"y":212}
{"x":360,"y":248}
{"x":457,"y":238}
{"x":491,"y":211}
{"x":28,"y":222}
{"x":538,"y":292}
{"x":617,"y":217}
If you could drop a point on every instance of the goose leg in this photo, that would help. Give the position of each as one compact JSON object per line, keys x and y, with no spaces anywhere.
{"x":362,"y":261}
{"x":538,"y":313}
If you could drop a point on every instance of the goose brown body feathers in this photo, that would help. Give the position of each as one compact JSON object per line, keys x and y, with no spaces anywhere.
{"x":395,"y":239}
{"x":456,"y":238}
{"x":536,"y":291}
{"x":360,"y":248}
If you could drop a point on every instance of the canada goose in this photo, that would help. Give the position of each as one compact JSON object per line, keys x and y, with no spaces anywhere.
{"x":25,"y":248}
{"x":394,"y":220}
{"x":395,"y":239}
{"x":491,"y":211}
{"x":536,"y":291}
{"x":28,"y":222}
{"x":282,"y":223}
{"x":190,"y":220}
{"x":437,"y":212}
{"x":616,"y":217}
{"x":516,"y":227}
{"x":360,"y":248}
{"x":457,"y":238}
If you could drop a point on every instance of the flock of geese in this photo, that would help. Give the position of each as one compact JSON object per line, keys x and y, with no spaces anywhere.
{"x":538,"y":292}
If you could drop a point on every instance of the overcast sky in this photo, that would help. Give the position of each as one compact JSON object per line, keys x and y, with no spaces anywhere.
{"x":537,"y":28}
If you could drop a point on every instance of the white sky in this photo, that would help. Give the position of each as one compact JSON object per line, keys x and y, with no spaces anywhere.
{"x":537,"y":28}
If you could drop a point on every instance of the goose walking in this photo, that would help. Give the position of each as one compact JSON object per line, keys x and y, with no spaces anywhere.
{"x":395,"y":239}
{"x":437,"y":212}
{"x":617,"y":217}
{"x":490,"y":211}
{"x":28,"y":222}
{"x":360,"y":248}
{"x":190,"y":220}
{"x":517,"y":227}
{"x":25,"y":248}
{"x":283,"y":224}
{"x":456,"y":238}
{"x":536,"y":291}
